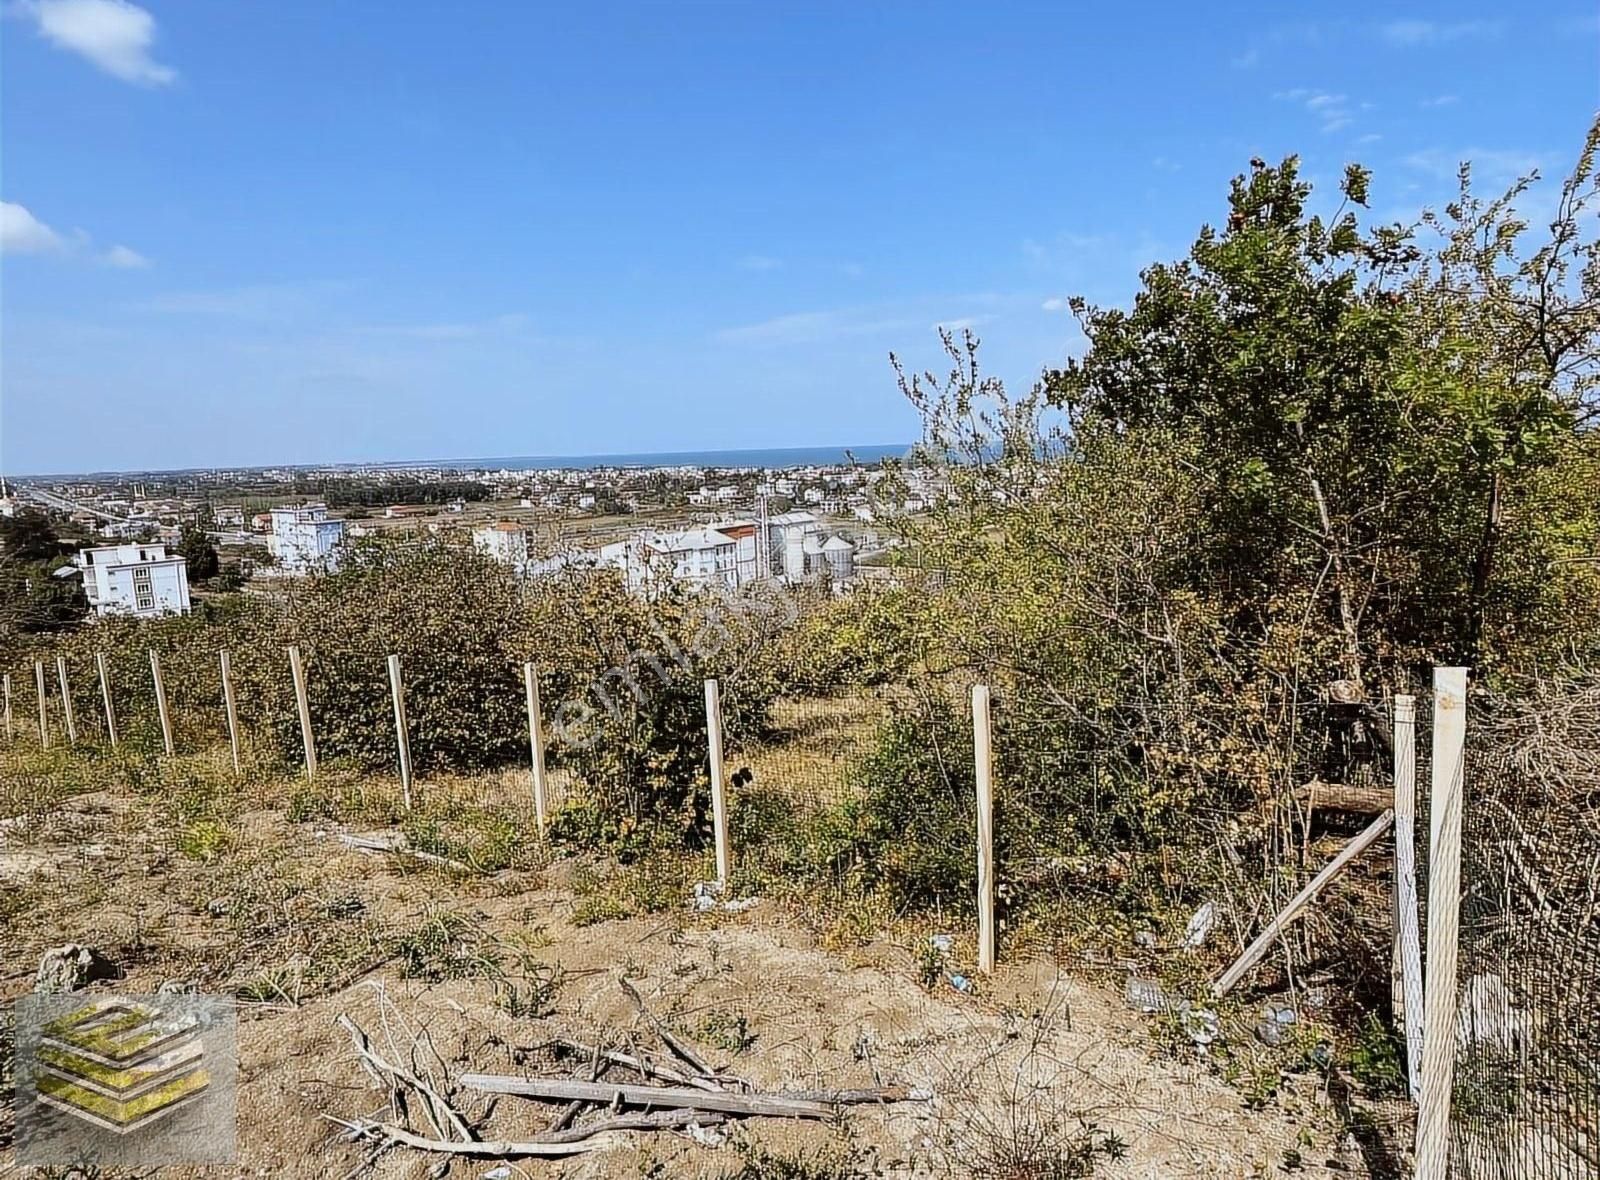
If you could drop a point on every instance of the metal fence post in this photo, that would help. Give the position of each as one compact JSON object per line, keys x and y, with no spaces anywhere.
{"x":230,"y":707}
{"x":1444,"y":914}
{"x":161,"y":703}
{"x":983,"y":760}
{"x":44,"y":716}
{"x":1407,"y":937}
{"x":303,"y":705}
{"x":401,"y":734}
{"x":719,"y":797}
{"x":105,"y":697}
{"x":541,"y":801}
{"x":66,"y":700}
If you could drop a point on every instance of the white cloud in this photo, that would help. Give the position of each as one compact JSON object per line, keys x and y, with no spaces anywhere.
{"x":123,"y":258}
{"x":23,"y":233}
{"x":260,"y":302}
{"x":808,"y":327}
{"x":1331,"y":110}
{"x":965,"y":323}
{"x":510,"y":323}
{"x":1441,"y":100}
{"x":113,"y":34}
{"x":1054,"y":305}
{"x":759,"y":262}
{"x":1407,"y":33}
{"x":1492,"y":165}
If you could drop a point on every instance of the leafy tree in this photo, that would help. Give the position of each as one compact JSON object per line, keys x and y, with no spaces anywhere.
{"x":30,"y":536}
{"x":1365,"y":405}
{"x":196,"y":548}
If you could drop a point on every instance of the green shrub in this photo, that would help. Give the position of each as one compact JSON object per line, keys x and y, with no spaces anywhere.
{"x":1375,"y":1058}
{"x":912,"y":829}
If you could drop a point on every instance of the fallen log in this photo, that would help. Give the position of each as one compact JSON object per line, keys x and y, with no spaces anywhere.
{"x":607,"y":1094}
{"x":1290,"y":912}
{"x":1338,"y":797}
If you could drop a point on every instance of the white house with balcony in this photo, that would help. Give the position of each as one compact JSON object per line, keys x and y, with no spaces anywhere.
{"x":139,"y":580}
{"x":505,"y":540}
{"x":304,"y":539}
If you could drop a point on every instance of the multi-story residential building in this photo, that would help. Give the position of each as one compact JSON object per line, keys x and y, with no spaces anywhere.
{"x":137,"y":580}
{"x":704,"y":557}
{"x":505,"y":540}
{"x":304,"y":539}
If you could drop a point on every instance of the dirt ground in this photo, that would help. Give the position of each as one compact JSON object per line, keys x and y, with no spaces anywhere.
{"x":303,"y":930}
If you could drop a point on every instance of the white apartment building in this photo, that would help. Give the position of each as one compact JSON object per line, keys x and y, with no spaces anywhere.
{"x":505,"y":540}
{"x":304,"y":539}
{"x":704,"y":557}
{"x":140,"y":580}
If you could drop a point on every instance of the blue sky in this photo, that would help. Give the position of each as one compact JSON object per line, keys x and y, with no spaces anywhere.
{"x":253,"y":232}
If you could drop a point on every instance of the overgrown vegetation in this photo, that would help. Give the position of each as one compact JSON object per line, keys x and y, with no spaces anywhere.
{"x":1313,"y":457}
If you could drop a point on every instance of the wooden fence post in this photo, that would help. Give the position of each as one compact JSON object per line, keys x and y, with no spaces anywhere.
{"x":161,"y":703}
{"x":541,"y":801}
{"x":44,"y":716}
{"x":1407,"y":968}
{"x":719,"y":793}
{"x":303,"y":704}
{"x":230,"y":707}
{"x":983,"y":759}
{"x":1444,"y":915}
{"x":66,"y":700}
{"x":105,"y":697}
{"x":402,"y":737}
{"x":8,"y":705}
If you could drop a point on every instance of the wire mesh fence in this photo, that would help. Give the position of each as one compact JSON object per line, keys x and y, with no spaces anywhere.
{"x":1526,"y":1100}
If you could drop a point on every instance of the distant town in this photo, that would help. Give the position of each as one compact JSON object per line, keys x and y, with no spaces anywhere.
{"x":139,"y":538}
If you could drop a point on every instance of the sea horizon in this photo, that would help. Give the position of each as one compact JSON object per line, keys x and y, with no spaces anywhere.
{"x":772,"y":458}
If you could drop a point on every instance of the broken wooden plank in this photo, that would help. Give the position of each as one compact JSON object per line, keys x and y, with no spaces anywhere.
{"x":396,"y":848}
{"x":571,"y":1090}
{"x":1290,"y":912}
{"x":660,"y":1120}
{"x":491,"y":1149}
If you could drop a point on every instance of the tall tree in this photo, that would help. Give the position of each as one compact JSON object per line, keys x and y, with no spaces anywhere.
{"x":1364,"y":399}
{"x":196,"y":548}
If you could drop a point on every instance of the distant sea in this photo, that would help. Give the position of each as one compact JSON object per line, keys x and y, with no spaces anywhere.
{"x":777,"y":457}
{"x":771,"y":457}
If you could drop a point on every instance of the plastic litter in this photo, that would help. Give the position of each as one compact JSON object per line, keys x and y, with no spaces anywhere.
{"x":1200,"y":924}
{"x":961,"y":983}
{"x":1201,"y":1026}
{"x":707,"y":895}
{"x":1145,"y":995}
